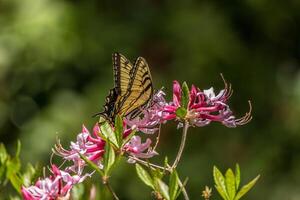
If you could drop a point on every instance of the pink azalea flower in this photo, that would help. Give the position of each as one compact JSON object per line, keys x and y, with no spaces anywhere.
{"x":204,"y":107}
{"x":151,"y":117}
{"x":136,"y":148}
{"x":57,"y":186}
{"x":87,"y":145}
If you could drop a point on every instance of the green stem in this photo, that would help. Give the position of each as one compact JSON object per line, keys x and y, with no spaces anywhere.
{"x":111,"y":190}
{"x":182,"y":145}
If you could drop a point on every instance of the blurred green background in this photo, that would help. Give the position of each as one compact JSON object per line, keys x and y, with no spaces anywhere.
{"x":55,"y":71}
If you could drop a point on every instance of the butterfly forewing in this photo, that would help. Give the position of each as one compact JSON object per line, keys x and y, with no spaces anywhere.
{"x":133,"y":88}
{"x":141,"y":89}
{"x":122,"y":70}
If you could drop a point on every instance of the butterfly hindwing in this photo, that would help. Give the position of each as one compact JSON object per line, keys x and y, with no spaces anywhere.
{"x":109,"y":106}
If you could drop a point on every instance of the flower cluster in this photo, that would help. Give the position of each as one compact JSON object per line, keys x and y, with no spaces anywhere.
{"x":56,"y":186}
{"x":136,"y":148}
{"x":91,"y":146}
{"x":151,"y":117}
{"x":195,"y":106}
{"x":204,"y":107}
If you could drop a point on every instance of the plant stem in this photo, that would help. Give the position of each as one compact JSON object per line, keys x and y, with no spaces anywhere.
{"x":182,"y":145}
{"x":157,"y":138}
{"x":145,"y":163}
{"x":111,"y":190}
{"x":184,"y":192}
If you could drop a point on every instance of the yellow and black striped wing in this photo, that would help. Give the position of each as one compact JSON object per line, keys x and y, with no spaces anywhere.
{"x":133,"y":88}
{"x":122,"y":70}
{"x":140,"y":89}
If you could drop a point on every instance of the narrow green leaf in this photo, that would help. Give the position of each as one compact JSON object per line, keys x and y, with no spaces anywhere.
{"x":246,"y":188}
{"x":230,"y":184}
{"x":108,"y":158}
{"x":119,"y":130}
{"x":144,"y":176}
{"x":18,"y":149}
{"x":28,"y":174}
{"x":111,"y":158}
{"x":181,"y":187}
{"x":163,"y":189}
{"x":221,"y":192}
{"x":3,"y":153}
{"x":166,"y":162}
{"x":237,"y":176}
{"x":157,"y":173}
{"x":2,"y":171}
{"x":13,"y":167}
{"x":38,"y":171}
{"x":185,"y":96}
{"x":91,"y":164}
{"x":220,"y":183}
{"x":173,"y":185}
{"x":16,"y":182}
{"x":181,"y":112}
{"x":108,"y":132}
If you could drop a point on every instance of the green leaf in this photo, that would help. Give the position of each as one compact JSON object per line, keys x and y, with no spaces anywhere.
{"x":109,"y":134}
{"x":166,"y":161}
{"x":156,"y":173}
{"x":13,"y":167}
{"x":144,"y":176}
{"x":246,"y":188}
{"x":237,"y":176}
{"x":185,"y":96}
{"x":108,"y":158}
{"x":2,"y":171}
{"x":230,"y":184}
{"x":119,"y":130}
{"x":3,"y":159}
{"x":3,"y":153}
{"x":28,"y":174}
{"x":18,"y":149}
{"x":16,"y":181}
{"x":220,"y":183}
{"x":163,"y":188}
{"x":181,"y":112}
{"x":173,"y":185}
{"x":181,"y":187}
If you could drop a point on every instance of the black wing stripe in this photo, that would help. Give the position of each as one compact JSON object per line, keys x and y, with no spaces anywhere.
{"x":133,"y":87}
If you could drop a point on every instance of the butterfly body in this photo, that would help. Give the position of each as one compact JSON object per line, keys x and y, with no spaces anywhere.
{"x":133,"y":88}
